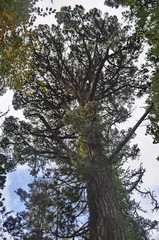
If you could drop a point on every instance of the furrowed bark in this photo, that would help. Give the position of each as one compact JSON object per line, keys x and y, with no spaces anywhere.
{"x":105,"y":216}
{"x":105,"y":222}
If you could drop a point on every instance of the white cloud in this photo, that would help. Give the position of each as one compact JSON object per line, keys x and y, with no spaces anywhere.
{"x":17,"y":179}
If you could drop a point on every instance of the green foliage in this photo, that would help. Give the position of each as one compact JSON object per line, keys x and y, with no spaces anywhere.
{"x":82,"y":118}
{"x":85,"y":121}
{"x":15,"y":17}
{"x":16,"y":12}
{"x":145,"y":14}
{"x":16,"y":28}
{"x":153,"y":128}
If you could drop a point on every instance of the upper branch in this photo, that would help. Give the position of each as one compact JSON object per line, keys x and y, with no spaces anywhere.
{"x":129,"y":135}
{"x":96,"y":77}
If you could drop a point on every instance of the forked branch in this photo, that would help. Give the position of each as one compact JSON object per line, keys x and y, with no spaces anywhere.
{"x":129,"y":135}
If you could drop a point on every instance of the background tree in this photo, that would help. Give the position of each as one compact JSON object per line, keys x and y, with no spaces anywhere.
{"x":16,"y":23}
{"x":81,"y":86}
{"x":145,"y":16}
{"x":4,"y":169}
{"x":14,"y":17}
{"x":56,"y":208}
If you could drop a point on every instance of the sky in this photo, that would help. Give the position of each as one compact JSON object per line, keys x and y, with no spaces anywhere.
{"x":148,"y":151}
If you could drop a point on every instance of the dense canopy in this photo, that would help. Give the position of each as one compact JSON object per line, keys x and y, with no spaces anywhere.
{"x":80,"y":85}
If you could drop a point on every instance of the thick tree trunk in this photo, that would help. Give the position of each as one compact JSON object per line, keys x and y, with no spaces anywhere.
{"x":106,"y":221}
{"x":105,"y":216}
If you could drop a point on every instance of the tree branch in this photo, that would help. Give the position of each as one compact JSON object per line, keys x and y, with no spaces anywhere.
{"x":73,"y":155}
{"x":140,"y":174}
{"x":96,"y":77}
{"x":129,"y":135}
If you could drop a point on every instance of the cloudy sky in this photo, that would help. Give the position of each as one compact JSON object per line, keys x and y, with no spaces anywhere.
{"x":148,"y":151}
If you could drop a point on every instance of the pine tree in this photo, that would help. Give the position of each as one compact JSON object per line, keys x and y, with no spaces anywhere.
{"x":81,"y":86}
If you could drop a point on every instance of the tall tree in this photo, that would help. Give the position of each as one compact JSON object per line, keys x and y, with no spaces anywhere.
{"x":81,"y":86}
